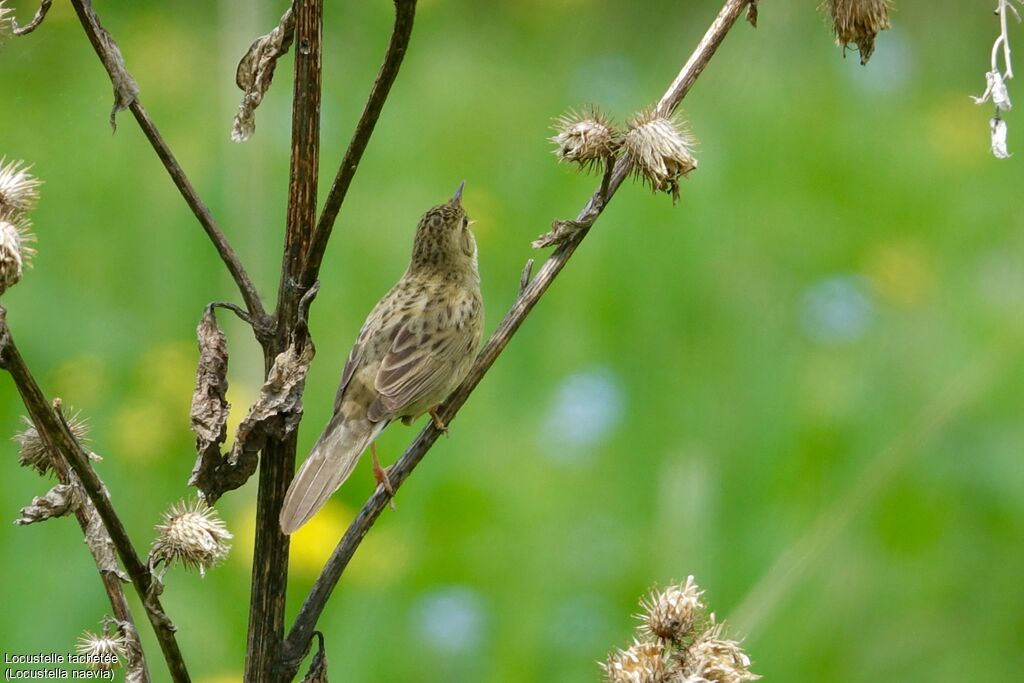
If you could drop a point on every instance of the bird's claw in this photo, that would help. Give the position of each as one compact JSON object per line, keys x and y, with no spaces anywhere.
{"x":439,"y":424}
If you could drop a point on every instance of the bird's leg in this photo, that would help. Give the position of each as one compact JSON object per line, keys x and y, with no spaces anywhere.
{"x":438,"y":422}
{"x":380,"y":474}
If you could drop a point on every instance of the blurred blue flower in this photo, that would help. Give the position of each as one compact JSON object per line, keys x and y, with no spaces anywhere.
{"x":890,"y":69}
{"x":586,"y":407}
{"x":450,"y":620}
{"x":836,"y":310}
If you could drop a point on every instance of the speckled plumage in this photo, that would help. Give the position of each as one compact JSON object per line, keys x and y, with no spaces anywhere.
{"x":415,"y":347}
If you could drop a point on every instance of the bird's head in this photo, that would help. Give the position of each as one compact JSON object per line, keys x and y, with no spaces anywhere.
{"x":444,"y":240}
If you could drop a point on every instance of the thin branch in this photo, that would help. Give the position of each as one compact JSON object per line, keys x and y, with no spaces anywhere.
{"x":44,"y":7}
{"x":107,"y":51}
{"x":277,"y":462}
{"x":298,"y":640}
{"x":49,"y":422}
{"x":405,"y":13}
{"x":89,"y":522}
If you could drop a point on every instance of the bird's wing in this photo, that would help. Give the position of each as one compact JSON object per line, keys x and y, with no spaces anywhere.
{"x":371,"y":327}
{"x":419,"y":364}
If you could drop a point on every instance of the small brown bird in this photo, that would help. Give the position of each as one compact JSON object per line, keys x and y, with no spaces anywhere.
{"x":415,"y":347}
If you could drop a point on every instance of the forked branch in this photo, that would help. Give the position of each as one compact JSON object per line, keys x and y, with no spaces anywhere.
{"x":56,"y":432}
{"x":126,"y":97}
{"x":298,"y":640}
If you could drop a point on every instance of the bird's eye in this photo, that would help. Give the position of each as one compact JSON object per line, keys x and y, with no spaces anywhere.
{"x":465,"y":222}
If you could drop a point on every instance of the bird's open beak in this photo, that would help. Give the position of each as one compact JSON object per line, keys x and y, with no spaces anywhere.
{"x":457,"y":197}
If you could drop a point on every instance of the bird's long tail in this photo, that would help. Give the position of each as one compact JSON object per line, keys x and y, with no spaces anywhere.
{"x":328,"y":466}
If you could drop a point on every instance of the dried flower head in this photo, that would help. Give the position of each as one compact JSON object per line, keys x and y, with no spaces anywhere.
{"x":15,"y":254}
{"x":644,"y":662}
{"x":661,"y":151}
{"x":193,"y":535}
{"x":671,"y":613}
{"x":6,"y":21}
{"x":995,"y":90}
{"x":999,"y":149}
{"x":586,"y":137}
{"x":19,"y":189}
{"x":32,"y":450}
{"x":103,"y":652}
{"x":857,"y":22}
{"x":715,"y":660}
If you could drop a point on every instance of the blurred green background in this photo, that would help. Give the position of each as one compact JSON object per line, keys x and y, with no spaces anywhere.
{"x":803,"y":384}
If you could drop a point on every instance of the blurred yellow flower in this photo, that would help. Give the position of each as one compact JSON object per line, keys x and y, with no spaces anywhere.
{"x":141,"y":430}
{"x":222,"y":678}
{"x":167,"y":374}
{"x":946,"y":126}
{"x":80,"y":379}
{"x":314,"y":542}
{"x":901,"y":273}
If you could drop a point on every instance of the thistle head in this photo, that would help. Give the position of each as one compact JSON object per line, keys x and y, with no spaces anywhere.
{"x":33,"y":451}
{"x":716,"y":660}
{"x":444,"y":242}
{"x":6,"y":21}
{"x":19,"y":189}
{"x":857,"y":22}
{"x":192,"y":535}
{"x":103,"y":651}
{"x":585,"y":137}
{"x":644,"y":662}
{"x":661,"y":151}
{"x":671,"y":614}
{"x":19,"y":192}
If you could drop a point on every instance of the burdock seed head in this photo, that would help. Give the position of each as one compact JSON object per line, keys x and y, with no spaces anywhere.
{"x":32,"y":450}
{"x":644,"y":662}
{"x":19,"y":189}
{"x":15,"y":254}
{"x":857,"y":22}
{"x":585,"y":137}
{"x":104,"y":652}
{"x":6,"y":20}
{"x":716,"y":660}
{"x":671,"y":613}
{"x":193,"y":535}
{"x":661,"y":151}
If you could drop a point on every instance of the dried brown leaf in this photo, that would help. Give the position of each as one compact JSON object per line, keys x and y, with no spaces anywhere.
{"x":61,"y":500}
{"x":278,"y":409}
{"x":126,"y":90}
{"x":317,"y":672}
{"x":209,"y":401}
{"x":100,"y":544}
{"x":135,"y":671}
{"x":561,"y":230}
{"x":256,"y":72}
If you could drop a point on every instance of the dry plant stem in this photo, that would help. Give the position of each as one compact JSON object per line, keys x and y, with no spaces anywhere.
{"x":44,"y":7}
{"x":405,"y":13}
{"x":56,"y":432}
{"x":277,"y":463}
{"x":84,"y":513}
{"x":298,"y":640}
{"x":90,"y":22}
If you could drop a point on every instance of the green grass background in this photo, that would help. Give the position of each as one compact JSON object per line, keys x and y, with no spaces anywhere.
{"x":803,"y":384}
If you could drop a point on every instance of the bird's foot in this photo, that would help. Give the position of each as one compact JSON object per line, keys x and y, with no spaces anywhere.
{"x":380,"y":475}
{"x":439,"y":424}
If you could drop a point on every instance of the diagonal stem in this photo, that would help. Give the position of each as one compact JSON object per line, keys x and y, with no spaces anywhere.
{"x":405,"y":13}
{"x":102,"y":43}
{"x":298,"y":640}
{"x":57,"y":433}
